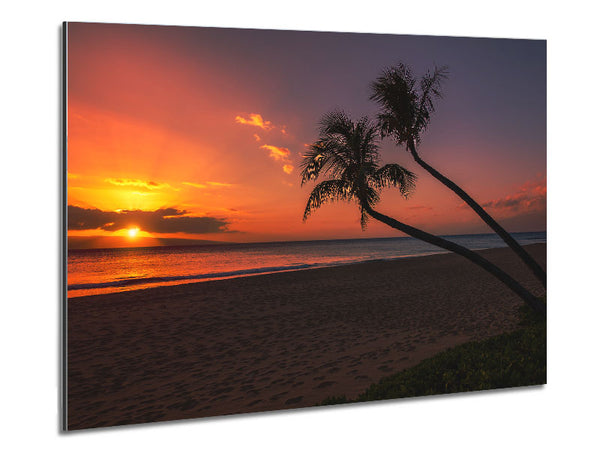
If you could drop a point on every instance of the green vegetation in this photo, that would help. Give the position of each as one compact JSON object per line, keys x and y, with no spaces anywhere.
{"x":507,"y":360}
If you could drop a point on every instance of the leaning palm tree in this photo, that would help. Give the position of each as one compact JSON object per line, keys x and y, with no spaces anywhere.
{"x":347,"y":153}
{"x":406,"y":109}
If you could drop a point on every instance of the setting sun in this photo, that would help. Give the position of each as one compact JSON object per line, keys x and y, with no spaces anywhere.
{"x":132,"y":232}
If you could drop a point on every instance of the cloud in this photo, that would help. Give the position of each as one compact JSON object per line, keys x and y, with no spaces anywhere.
{"x":254,"y":120}
{"x":196,"y":185}
{"x":277,"y":153}
{"x":280,"y":154}
{"x":164,"y":220}
{"x":420,"y":208}
{"x":531,"y":196}
{"x":150,"y":185}
{"x":218,"y":184}
{"x":206,"y":184}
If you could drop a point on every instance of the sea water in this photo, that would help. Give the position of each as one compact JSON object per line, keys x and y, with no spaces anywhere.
{"x":99,"y":271}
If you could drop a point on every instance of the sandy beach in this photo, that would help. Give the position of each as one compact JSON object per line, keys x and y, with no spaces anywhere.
{"x":276,"y":341}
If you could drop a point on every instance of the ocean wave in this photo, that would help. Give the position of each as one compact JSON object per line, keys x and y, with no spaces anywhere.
{"x":132,"y":281}
{"x":149,"y":272}
{"x":200,"y":276}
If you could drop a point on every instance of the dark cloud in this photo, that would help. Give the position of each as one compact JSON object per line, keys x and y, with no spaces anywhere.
{"x":165,"y":220}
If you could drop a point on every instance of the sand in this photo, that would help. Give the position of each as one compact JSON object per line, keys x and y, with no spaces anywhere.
{"x":276,"y":341}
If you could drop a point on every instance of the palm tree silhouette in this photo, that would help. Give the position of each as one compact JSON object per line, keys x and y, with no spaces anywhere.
{"x":348,"y":154}
{"x":406,"y":109}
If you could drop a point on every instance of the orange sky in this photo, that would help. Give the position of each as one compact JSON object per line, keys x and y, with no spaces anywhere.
{"x":198,"y":133}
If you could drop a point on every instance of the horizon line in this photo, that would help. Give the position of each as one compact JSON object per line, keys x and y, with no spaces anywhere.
{"x":210,"y":243}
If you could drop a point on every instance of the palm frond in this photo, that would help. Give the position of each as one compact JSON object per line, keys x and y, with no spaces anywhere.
{"x":430,"y":90}
{"x":336,"y":123}
{"x":406,"y":108}
{"x":311,"y":164}
{"x":324,"y":192}
{"x":347,"y":152}
{"x":366,"y":140}
{"x":369,"y":195}
{"x":323,"y":156}
{"x":394,"y":90}
{"x":394,"y":175}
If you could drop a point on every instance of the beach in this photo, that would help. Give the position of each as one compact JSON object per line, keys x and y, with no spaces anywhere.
{"x":277,"y":341}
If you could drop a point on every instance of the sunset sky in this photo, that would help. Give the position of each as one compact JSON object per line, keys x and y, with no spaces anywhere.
{"x":197,"y":133}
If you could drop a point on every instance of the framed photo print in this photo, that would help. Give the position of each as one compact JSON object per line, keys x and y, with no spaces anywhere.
{"x":260,"y":220}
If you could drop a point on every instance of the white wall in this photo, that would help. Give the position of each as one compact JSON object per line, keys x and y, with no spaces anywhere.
{"x":562,"y":413}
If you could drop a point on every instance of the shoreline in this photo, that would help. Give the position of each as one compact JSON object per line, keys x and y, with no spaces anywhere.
{"x":277,"y":341}
{"x":204,"y":278}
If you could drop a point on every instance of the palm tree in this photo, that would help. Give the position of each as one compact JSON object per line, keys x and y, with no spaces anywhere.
{"x":406,"y":109}
{"x":347,"y":153}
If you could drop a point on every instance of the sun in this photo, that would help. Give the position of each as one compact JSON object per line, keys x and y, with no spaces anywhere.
{"x":132,"y":232}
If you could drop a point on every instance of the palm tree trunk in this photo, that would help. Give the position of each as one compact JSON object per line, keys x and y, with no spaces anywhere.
{"x":510,"y":282}
{"x":504,"y":235}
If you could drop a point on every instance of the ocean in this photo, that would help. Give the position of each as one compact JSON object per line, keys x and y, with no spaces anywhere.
{"x":100,"y":271}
